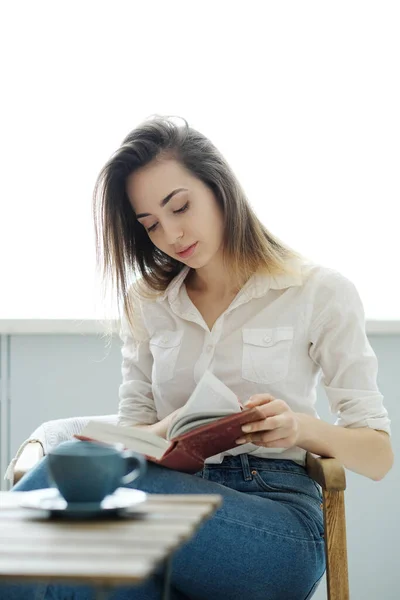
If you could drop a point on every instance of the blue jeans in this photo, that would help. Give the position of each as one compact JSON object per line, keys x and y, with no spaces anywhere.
{"x":265,"y":541}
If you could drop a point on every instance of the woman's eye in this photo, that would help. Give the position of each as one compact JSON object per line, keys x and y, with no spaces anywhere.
{"x":181,"y":210}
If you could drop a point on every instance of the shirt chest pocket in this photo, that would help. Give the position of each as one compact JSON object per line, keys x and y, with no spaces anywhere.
{"x":165,"y":346}
{"x":266,"y":354}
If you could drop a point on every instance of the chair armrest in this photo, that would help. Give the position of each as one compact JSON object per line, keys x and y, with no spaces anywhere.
{"x":30,"y":455}
{"x":330,"y":475}
{"x":328,"y":472}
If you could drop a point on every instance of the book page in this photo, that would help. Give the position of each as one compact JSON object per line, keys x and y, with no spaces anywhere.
{"x":210,"y":400}
{"x":133,"y":438}
{"x":192,"y":422}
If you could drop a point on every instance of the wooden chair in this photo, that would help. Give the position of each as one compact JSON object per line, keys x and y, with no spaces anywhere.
{"x":330,"y":475}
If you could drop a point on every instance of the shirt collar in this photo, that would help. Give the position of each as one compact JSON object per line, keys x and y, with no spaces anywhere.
{"x":172,"y":290}
{"x":257,"y":286}
{"x":259,"y":283}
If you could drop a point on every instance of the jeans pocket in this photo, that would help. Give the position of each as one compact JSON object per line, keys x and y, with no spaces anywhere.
{"x":287,"y":481}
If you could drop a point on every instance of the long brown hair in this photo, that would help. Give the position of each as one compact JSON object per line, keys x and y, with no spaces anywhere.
{"x":123,"y":246}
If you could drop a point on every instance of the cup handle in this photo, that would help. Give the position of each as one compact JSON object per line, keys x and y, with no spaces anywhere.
{"x":140,"y":466}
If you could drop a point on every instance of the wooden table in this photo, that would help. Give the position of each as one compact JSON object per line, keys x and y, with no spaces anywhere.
{"x":102,"y":553}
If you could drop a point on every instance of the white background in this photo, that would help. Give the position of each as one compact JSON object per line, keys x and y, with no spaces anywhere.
{"x":301,"y":97}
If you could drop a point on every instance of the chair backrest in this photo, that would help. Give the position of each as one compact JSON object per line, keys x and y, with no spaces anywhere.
{"x":52,"y":433}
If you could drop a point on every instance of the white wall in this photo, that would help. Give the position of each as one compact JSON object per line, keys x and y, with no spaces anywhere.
{"x":302,"y":98}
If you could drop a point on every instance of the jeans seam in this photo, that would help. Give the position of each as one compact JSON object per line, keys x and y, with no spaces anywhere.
{"x":244,"y":461}
{"x":314,"y":587}
{"x":40,"y":592}
{"x":279,"y":535}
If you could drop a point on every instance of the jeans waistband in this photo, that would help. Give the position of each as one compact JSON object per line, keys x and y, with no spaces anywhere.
{"x":247,"y":463}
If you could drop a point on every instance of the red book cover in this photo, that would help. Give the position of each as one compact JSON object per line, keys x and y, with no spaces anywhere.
{"x":187,"y":452}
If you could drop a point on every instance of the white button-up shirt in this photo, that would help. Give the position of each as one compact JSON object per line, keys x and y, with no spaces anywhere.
{"x":279,"y":336}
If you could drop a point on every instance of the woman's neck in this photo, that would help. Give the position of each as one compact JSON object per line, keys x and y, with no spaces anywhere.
{"x":213,"y":282}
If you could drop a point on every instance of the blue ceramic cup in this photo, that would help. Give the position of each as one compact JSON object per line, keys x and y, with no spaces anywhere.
{"x":89,"y":471}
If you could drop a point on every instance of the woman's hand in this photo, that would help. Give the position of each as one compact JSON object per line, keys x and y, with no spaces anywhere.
{"x":161,"y":427}
{"x":279,"y":428}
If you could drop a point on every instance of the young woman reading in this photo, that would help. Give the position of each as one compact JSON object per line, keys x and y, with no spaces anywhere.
{"x":216,"y":290}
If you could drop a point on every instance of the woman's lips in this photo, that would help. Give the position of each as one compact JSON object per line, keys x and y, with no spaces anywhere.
{"x":188,"y":252}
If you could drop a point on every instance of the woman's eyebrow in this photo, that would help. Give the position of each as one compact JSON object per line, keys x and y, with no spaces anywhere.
{"x":164,"y":201}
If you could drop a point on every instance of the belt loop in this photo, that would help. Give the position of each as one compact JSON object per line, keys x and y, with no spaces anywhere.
{"x":244,"y":459}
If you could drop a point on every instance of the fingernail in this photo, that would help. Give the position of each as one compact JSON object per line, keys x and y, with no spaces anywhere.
{"x":246,"y":428}
{"x":240,"y":440}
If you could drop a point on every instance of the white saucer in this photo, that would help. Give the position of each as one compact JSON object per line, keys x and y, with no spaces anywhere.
{"x":51,"y":500}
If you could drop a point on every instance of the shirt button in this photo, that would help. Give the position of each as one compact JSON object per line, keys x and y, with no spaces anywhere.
{"x":209,"y":348}
{"x":267,"y":338}
{"x":164,"y":340}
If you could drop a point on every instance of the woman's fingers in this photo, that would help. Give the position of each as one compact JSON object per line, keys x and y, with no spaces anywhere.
{"x":264,"y":424}
{"x":259,"y":399}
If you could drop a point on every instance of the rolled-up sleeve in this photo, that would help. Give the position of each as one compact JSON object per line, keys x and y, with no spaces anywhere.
{"x":136,"y":403}
{"x":340,"y":346}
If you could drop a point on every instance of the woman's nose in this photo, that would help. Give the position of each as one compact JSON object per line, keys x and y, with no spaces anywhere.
{"x":173,"y":234}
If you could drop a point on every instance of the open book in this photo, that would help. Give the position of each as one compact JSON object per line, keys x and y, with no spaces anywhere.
{"x":208,"y":424}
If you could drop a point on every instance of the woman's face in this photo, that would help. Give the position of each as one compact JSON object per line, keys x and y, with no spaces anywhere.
{"x":178,"y":211}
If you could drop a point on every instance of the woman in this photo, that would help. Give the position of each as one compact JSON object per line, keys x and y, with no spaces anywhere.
{"x":217,"y":291}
